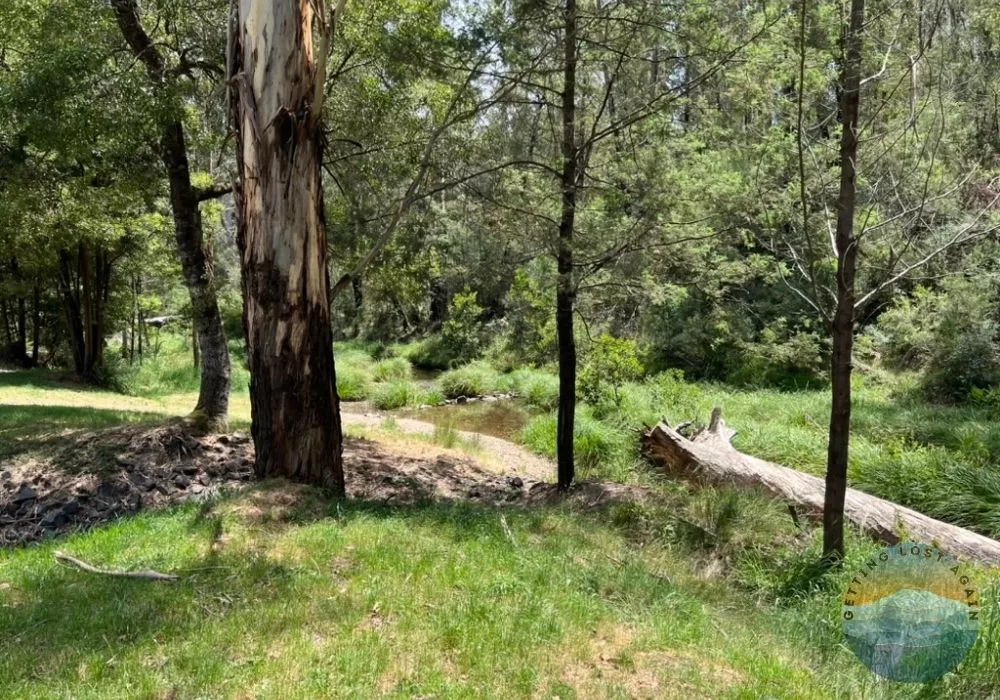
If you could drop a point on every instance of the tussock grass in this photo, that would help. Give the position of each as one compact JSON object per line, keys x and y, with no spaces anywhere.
{"x":392,"y":369}
{"x":475,"y":379}
{"x":397,"y":394}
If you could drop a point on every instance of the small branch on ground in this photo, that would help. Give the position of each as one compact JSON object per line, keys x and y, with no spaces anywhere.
{"x":148,"y":575}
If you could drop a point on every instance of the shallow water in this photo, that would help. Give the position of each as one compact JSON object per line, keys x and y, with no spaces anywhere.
{"x":502,"y":419}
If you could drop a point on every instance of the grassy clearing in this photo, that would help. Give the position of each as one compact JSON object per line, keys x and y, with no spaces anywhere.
{"x":287,"y":595}
{"x":700,"y":594}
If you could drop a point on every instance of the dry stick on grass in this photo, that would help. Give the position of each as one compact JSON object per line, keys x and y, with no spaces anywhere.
{"x":149,"y":575}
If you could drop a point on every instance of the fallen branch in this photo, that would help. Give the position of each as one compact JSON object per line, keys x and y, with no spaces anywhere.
{"x":148,"y":575}
{"x":709,"y":457}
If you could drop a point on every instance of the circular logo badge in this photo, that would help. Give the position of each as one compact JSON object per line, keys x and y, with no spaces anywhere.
{"x":911,"y":614}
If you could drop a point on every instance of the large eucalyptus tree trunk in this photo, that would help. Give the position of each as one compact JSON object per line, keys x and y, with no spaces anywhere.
{"x":566,"y":290}
{"x":277,"y":81}
{"x":212,"y":409}
{"x":842,"y":327}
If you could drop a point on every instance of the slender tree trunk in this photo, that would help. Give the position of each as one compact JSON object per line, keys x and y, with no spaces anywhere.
{"x":842,"y":327}
{"x":135,"y":317}
{"x":565,"y":290}
{"x":36,"y":325}
{"x":277,"y":83}
{"x":212,"y":409}
{"x":87,"y":304}
{"x":5,"y":322}
{"x":357,"y":287}
{"x":70,"y":289}
{"x":22,"y":332}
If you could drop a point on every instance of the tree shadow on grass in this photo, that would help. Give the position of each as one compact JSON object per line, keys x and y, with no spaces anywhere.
{"x":55,"y":619}
{"x":41,"y":431}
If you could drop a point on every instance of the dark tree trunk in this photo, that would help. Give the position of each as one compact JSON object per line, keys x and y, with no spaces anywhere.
{"x":84,"y":290}
{"x":842,"y":327}
{"x":277,"y":91}
{"x":194,"y":344}
{"x":21,"y":342}
{"x":357,"y":289}
{"x":439,"y":303}
{"x":212,"y":408}
{"x":211,"y":411}
{"x":5,"y":322}
{"x":36,"y":325}
{"x":565,"y":290}
{"x":17,"y":347}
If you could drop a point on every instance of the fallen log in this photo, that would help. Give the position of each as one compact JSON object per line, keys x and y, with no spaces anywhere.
{"x":709,"y":457}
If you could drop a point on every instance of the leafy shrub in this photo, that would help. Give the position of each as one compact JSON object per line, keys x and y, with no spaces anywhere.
{"x":391,"y":369}
{"x":963,"y":364}
{"x":531,"y":336}
{"x":428,"y":353}
{"x":610,"y":363}
{"x":461,"y":334}
{"x":904,"y":333}
{"x":397,"y":394}
{"x":475,"y":379}
{"x":782,"y":358}
{"x":670,"y":390}
{"x":931,"y":331}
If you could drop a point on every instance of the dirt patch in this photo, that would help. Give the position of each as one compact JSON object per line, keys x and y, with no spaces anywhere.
{"x":98,"y":476}
{"x":501,"y":456}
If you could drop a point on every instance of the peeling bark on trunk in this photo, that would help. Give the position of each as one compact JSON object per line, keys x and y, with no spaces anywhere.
{"x":277,"y":83}
{"x":211,"y":411}
{"x":565,"y":290}
{"x":708,"y":457}
{"x":842,"y":327}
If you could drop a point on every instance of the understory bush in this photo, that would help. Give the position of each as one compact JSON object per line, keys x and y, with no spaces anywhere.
{"x":610,"y":363}
{"x":950,"y":333}
{"x":427,"y":353}
{"x":462,"y":332}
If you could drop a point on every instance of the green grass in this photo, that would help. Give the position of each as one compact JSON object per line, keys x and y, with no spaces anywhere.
{"x":168,"y":368}
{"x":392,"y":369}
{"x":353,"y":383}
{"x":308,"y":598}
{"x":475,"y":379}
{"x":397,"y":394}
{"x":538,"y":388}
{"x":698,"y":593}
{"x":939,"y":459}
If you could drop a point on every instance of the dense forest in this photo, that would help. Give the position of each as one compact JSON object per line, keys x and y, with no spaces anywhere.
{"x":605,"y":213}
